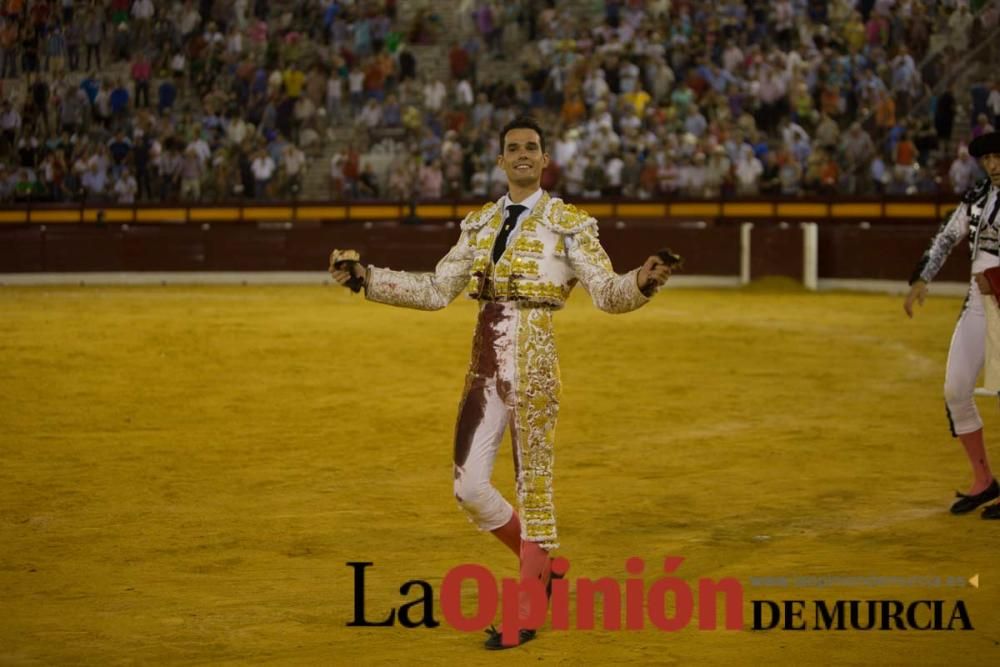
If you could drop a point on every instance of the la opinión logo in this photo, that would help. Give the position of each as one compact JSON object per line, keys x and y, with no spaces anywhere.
{"x":860,"y":615}
{"x":639,"y":603}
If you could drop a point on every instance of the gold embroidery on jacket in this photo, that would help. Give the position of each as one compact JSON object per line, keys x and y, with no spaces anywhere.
{"x":536,"y":410}
{"x":528,"y":246}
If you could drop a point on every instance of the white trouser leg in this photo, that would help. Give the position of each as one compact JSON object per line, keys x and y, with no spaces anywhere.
{"x":481,"y":423}
{"x":965,"y":359}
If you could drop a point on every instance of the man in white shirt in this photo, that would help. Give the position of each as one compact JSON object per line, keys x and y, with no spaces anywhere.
{"x":263,"y":169}
{"x":371,"y":115}
{"x":355,"y":88}
{"x":613,"y":168}
{"x":293,"y":160}
{"x":993,"y":103}
{"x":10,"y":124}
{"x":519,"y":257}
{"x":237,"y":129}
{"x":125,"y":187}
{"x":463,"y":93}
{"x":142,"y":13}
{"x":434,"y":94}
{"x":978,"y":219}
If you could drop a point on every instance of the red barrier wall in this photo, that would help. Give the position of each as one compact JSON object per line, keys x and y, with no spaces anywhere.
{"x":845,"y":250}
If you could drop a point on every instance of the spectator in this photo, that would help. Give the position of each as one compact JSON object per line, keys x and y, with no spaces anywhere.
{"x":40,"y":95}
{"x":857,"y":151}
{"x":73,"y":35}
{"x":982,"y":126}
{"x":355,"y":87}
{"x":392,"y":115}
{"x":294,"y":80}
{"x":143,"y":12}
{"x":748,"y":172}
{"x":962,"y":173}
{"x":334,"y":98}
{"x":93,"y":35}
{"x":166,"y":96}
{"x":191,"y":173}
{"x":960,"y":27}
{"x":370,"y":116}
{"x":789,"y":176}
{"x":367,"y":183}
{"x":55,"y":50}
{"x":120,"y":149}
{"x":121,"y":43}
{"x":430,"y":179}
{"x":993,"y":103}
{"x":141,"y":72}
{"x":434,"y":95}
{"x":10,"y":124}
{"x":169,"y":171}
{"x":944,"y":117}
{"x":8,"y":47}
{"x":53,"y":171}
{"x":293,"y":161}
{"x":594,"y":178}
{"x":142,"y":157}
{"x":263,"y":171}
{"x":118,"y":103}
{"x":125,"y":187}
{"x":338,"y":189}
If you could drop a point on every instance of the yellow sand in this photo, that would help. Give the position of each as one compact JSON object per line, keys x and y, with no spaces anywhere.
{"x":185,"y":471}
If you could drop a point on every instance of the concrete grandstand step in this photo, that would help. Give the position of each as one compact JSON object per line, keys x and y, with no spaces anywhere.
{"x":316,"y":182}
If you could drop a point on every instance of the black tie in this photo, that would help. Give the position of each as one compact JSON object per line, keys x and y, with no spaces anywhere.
{"x":513,"y":212}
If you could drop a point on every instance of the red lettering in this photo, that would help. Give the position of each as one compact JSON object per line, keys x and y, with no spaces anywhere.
{"x":486,"y":597}
{"x":524,"y":606}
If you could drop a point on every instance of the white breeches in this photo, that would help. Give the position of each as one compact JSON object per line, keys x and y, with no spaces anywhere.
{"x":474,"y":491}
{"x":513,"y":382}
{"x":966,"y":356}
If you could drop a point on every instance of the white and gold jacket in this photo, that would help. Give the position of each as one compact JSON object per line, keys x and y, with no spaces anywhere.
{"x":556,"y":246}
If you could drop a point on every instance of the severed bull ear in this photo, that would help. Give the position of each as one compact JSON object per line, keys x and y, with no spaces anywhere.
{"x":346,"y":260}
{"x":670,"y":259}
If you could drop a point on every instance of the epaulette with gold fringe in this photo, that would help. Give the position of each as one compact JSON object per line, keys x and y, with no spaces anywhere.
{"x":564,"y":218}
{"x":476,"y":219}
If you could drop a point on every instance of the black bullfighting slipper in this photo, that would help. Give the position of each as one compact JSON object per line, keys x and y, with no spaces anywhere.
{"x":494,"y":640}
{"x":966,"y":504}
{"x":991,"y":512}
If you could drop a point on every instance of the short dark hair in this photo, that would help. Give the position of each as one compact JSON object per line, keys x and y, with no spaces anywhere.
{"x":522,"y":123}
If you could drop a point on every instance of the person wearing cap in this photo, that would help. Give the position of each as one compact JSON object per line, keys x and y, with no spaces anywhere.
{"x":978,"y":217}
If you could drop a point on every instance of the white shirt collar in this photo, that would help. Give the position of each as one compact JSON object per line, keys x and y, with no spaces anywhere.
{"x":528,"y":203}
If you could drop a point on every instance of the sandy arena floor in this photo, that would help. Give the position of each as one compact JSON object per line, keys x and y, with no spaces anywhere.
{"x":184,"y":473}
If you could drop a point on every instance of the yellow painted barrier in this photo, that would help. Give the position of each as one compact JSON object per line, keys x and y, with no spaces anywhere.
{"x":896,"y":210}
{"x":284,"y":211}
{"x":435,"y":211}
{"x":281,"y":213}
{"x":13,"y":216}
{"x":161,"y":215}
{"x":110,"y":214}
{"x":642,"y":210}
{"x":796,"y":210}
{"x":56,"y":216}
{"x":322,"y":213}
{"x":597,"y":210}
{"x":694,"y":210}
{"x":748,"y":210}
{"x":374,"y":212}
{"x":215,"y":214}
{"x":856,"y":210}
